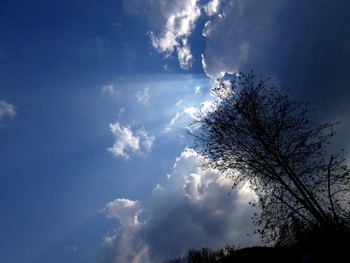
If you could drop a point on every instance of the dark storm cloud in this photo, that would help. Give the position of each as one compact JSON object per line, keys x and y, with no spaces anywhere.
{"x":303,"y":44}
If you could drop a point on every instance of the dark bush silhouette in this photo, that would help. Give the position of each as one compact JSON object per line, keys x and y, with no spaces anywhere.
{"x":255,"y":134}
{"x":205,"y":255}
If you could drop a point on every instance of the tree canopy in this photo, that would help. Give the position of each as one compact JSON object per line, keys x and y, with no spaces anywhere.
{"x":256,"y":134}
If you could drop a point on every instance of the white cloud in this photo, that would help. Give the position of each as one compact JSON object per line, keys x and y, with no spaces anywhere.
{"x":125,"y":210}
{"x":127,"y":141}
{"x":212,"y":7}
{"x":111,"y":90}
{"x":184,"y":55}
{"x":125,"y":245}
{"x":177,"y":20}
{"x":190,"y":211}
{"x":7,"y":109}
{"x":178,"y":27}
{"x":143,"y":96}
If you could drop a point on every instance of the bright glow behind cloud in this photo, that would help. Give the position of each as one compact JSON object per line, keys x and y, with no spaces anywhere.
{"x":125,"y":245}
{"x":193,"y":201}
{"x":126,"y":211}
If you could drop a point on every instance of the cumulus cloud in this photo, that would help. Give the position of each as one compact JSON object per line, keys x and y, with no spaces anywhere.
{"x":7,"y":110}
{"x":125,"y":245}
{"x":128,"y":141}
{"x":126,"y":211}
{"x":143,"y":96}
{"x":190,"y":211}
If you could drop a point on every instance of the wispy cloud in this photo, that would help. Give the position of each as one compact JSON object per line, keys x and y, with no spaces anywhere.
{"x":193,"y":201}
{"x":143,"y":96}
{"x":146,"y":140}
{"x":184,"y":54}
{"x":111,"y":90}
{"x":182,"y":119}
{"x":185,"y":117}
{"x":70,"y":249}
{"x":121,"y":111}
{"x":7,"y":110}
{"x":128,"y":141}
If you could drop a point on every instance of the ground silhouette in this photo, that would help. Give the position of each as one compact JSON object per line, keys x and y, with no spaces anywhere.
{"x":316,"y":246}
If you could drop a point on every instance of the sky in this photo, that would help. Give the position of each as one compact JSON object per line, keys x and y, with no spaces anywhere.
{"x":96,"y":97}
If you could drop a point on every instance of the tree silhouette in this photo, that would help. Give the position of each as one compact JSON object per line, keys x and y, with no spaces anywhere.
{"x":255,"y":134}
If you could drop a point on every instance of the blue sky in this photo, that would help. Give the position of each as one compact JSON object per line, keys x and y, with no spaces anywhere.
{"x":95,"y":101}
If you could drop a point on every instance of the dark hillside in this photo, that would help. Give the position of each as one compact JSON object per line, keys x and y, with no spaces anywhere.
{"x":319,"y":246}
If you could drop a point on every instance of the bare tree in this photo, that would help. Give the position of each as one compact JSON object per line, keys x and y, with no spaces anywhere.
{"x":256,"y":134}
